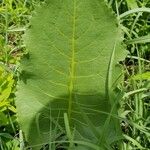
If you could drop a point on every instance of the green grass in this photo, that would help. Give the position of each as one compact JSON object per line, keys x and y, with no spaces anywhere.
{"x":14,"y":18}
{"x":134,"y":110}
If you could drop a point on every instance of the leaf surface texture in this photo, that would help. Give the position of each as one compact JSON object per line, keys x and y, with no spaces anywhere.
{"x":74,"y":49}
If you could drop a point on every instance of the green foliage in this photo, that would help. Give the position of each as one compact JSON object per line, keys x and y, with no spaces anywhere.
{"x":143,"y":76}
{"x":135,"y":107}
{"x":6,"y":84}
{"x":72,"y":67}
{"x":14,"y":15}
{"x":132,"y":4}
{"x":134,"y":112}
{"x":6,"y":108}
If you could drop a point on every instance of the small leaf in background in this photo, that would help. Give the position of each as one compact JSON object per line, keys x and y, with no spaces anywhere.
{"x":6,"y":84}
{"x":143,"y":39}
{"x":132,"y":4}
{"x":6,"y":87}
{"x":13,"y":144}
{"x":143,"y":76}
{"x":3,"y":119}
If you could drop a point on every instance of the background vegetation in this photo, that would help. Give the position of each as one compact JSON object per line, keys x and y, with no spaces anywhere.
{"x":134,"y":109}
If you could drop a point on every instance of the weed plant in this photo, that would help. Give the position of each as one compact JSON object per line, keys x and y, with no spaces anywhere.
{"x":134,"y":108}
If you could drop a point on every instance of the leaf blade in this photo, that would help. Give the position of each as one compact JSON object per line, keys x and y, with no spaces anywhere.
{"x":68,"y":66}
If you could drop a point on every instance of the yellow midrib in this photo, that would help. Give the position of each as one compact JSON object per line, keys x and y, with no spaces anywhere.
{"x":72,"y":70}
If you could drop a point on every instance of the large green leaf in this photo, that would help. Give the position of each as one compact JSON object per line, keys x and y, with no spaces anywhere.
{"x":74,"y":49}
